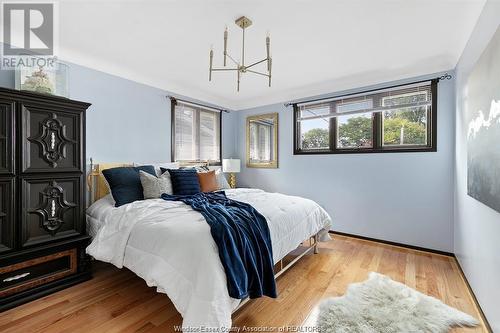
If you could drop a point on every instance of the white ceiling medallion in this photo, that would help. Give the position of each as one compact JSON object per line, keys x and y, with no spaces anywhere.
{"x":243,"y":22}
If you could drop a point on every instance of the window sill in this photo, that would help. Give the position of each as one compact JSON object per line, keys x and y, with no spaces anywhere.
{"x":186,"y":163}
{"x":366,"y":151}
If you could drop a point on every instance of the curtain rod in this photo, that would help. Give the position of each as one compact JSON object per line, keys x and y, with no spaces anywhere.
{"x":445,"y":76}
{"x":175,"y":99}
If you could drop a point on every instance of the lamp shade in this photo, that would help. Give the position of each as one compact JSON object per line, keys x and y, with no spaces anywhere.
{"x":231,"y":165}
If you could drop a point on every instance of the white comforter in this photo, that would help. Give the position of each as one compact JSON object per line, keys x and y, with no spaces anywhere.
{"x":169,"y":245}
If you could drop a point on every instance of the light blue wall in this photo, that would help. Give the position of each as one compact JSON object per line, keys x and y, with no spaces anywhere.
{"x":6,"y":78}
{"x":409,"y":200}
{"x":127,"y":121}
{"x":477,"y":227}
{"x":401,"y":197}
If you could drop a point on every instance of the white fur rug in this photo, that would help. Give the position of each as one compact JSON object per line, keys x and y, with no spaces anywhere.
{"x":380,"y":304}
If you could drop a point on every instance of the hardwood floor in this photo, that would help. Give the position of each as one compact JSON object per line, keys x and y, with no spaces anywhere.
{"x":119,"y":301}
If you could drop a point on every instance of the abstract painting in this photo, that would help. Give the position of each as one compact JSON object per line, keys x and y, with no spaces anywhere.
{"x":483,"y":134}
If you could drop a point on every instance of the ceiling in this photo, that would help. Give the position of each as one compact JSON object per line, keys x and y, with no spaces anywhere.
{"x":317,"y":46}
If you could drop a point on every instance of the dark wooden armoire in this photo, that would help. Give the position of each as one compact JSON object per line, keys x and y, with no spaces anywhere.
{"x":42,"y":195}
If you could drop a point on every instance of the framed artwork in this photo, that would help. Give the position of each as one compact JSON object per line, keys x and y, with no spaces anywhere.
{"x":483,"y":134}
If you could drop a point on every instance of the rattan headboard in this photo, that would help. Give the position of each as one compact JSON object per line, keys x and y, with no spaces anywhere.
{"x":98,"y":187}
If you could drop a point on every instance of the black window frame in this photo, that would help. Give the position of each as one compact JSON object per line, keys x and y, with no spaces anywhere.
{"x":173,"y":104}
{"x":377,"y":123}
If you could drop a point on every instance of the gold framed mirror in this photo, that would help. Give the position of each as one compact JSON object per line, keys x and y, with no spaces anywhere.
{"x":262,"y":141}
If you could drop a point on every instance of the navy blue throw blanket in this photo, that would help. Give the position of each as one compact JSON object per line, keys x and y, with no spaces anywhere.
{"x":242,"y":236}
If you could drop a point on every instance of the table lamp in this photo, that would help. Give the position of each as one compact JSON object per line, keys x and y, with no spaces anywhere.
{"x":232,"y":166}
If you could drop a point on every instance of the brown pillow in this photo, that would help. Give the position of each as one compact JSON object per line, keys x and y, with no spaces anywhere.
{"x":208,"y":181}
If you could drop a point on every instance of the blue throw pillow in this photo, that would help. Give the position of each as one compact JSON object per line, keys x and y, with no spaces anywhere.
{"x":184,"y":181}
{"x":125,"y":183}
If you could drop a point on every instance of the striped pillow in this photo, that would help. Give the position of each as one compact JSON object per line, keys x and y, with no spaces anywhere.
{"x":184,"y":181}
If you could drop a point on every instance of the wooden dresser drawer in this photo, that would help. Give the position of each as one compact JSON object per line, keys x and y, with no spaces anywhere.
{"x":38,"y":271}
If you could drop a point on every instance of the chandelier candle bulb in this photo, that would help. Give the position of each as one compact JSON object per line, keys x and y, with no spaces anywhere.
{"x":270,"y":62}
{"x":238,"y":85}
{"x":268,"y":44}
{"x":225,"y":46}
{"x":211,"y":60}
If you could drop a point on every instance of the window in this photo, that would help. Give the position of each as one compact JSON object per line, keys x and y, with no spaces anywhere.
{"x":196,"y":133}
{"x":314,"y":132}
{"x":355,"y":131}
{"x":396,"y":119}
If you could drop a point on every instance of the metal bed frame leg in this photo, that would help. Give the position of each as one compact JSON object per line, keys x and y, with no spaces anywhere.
{"x":283,"y":268}
{"x":316,"y":251}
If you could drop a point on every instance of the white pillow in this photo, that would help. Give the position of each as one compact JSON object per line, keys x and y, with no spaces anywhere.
{"x":158,"y":165}
{"x":153,"y":187}
{"x":221,"y":180}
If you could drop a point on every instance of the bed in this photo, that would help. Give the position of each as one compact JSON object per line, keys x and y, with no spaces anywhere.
{"x":169,"y":245}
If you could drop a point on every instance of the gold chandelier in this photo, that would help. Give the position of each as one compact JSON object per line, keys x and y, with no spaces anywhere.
{"x":243,"y":22}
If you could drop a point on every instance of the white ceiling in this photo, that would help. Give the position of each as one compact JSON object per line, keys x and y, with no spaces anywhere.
{"x":317,"y":46}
